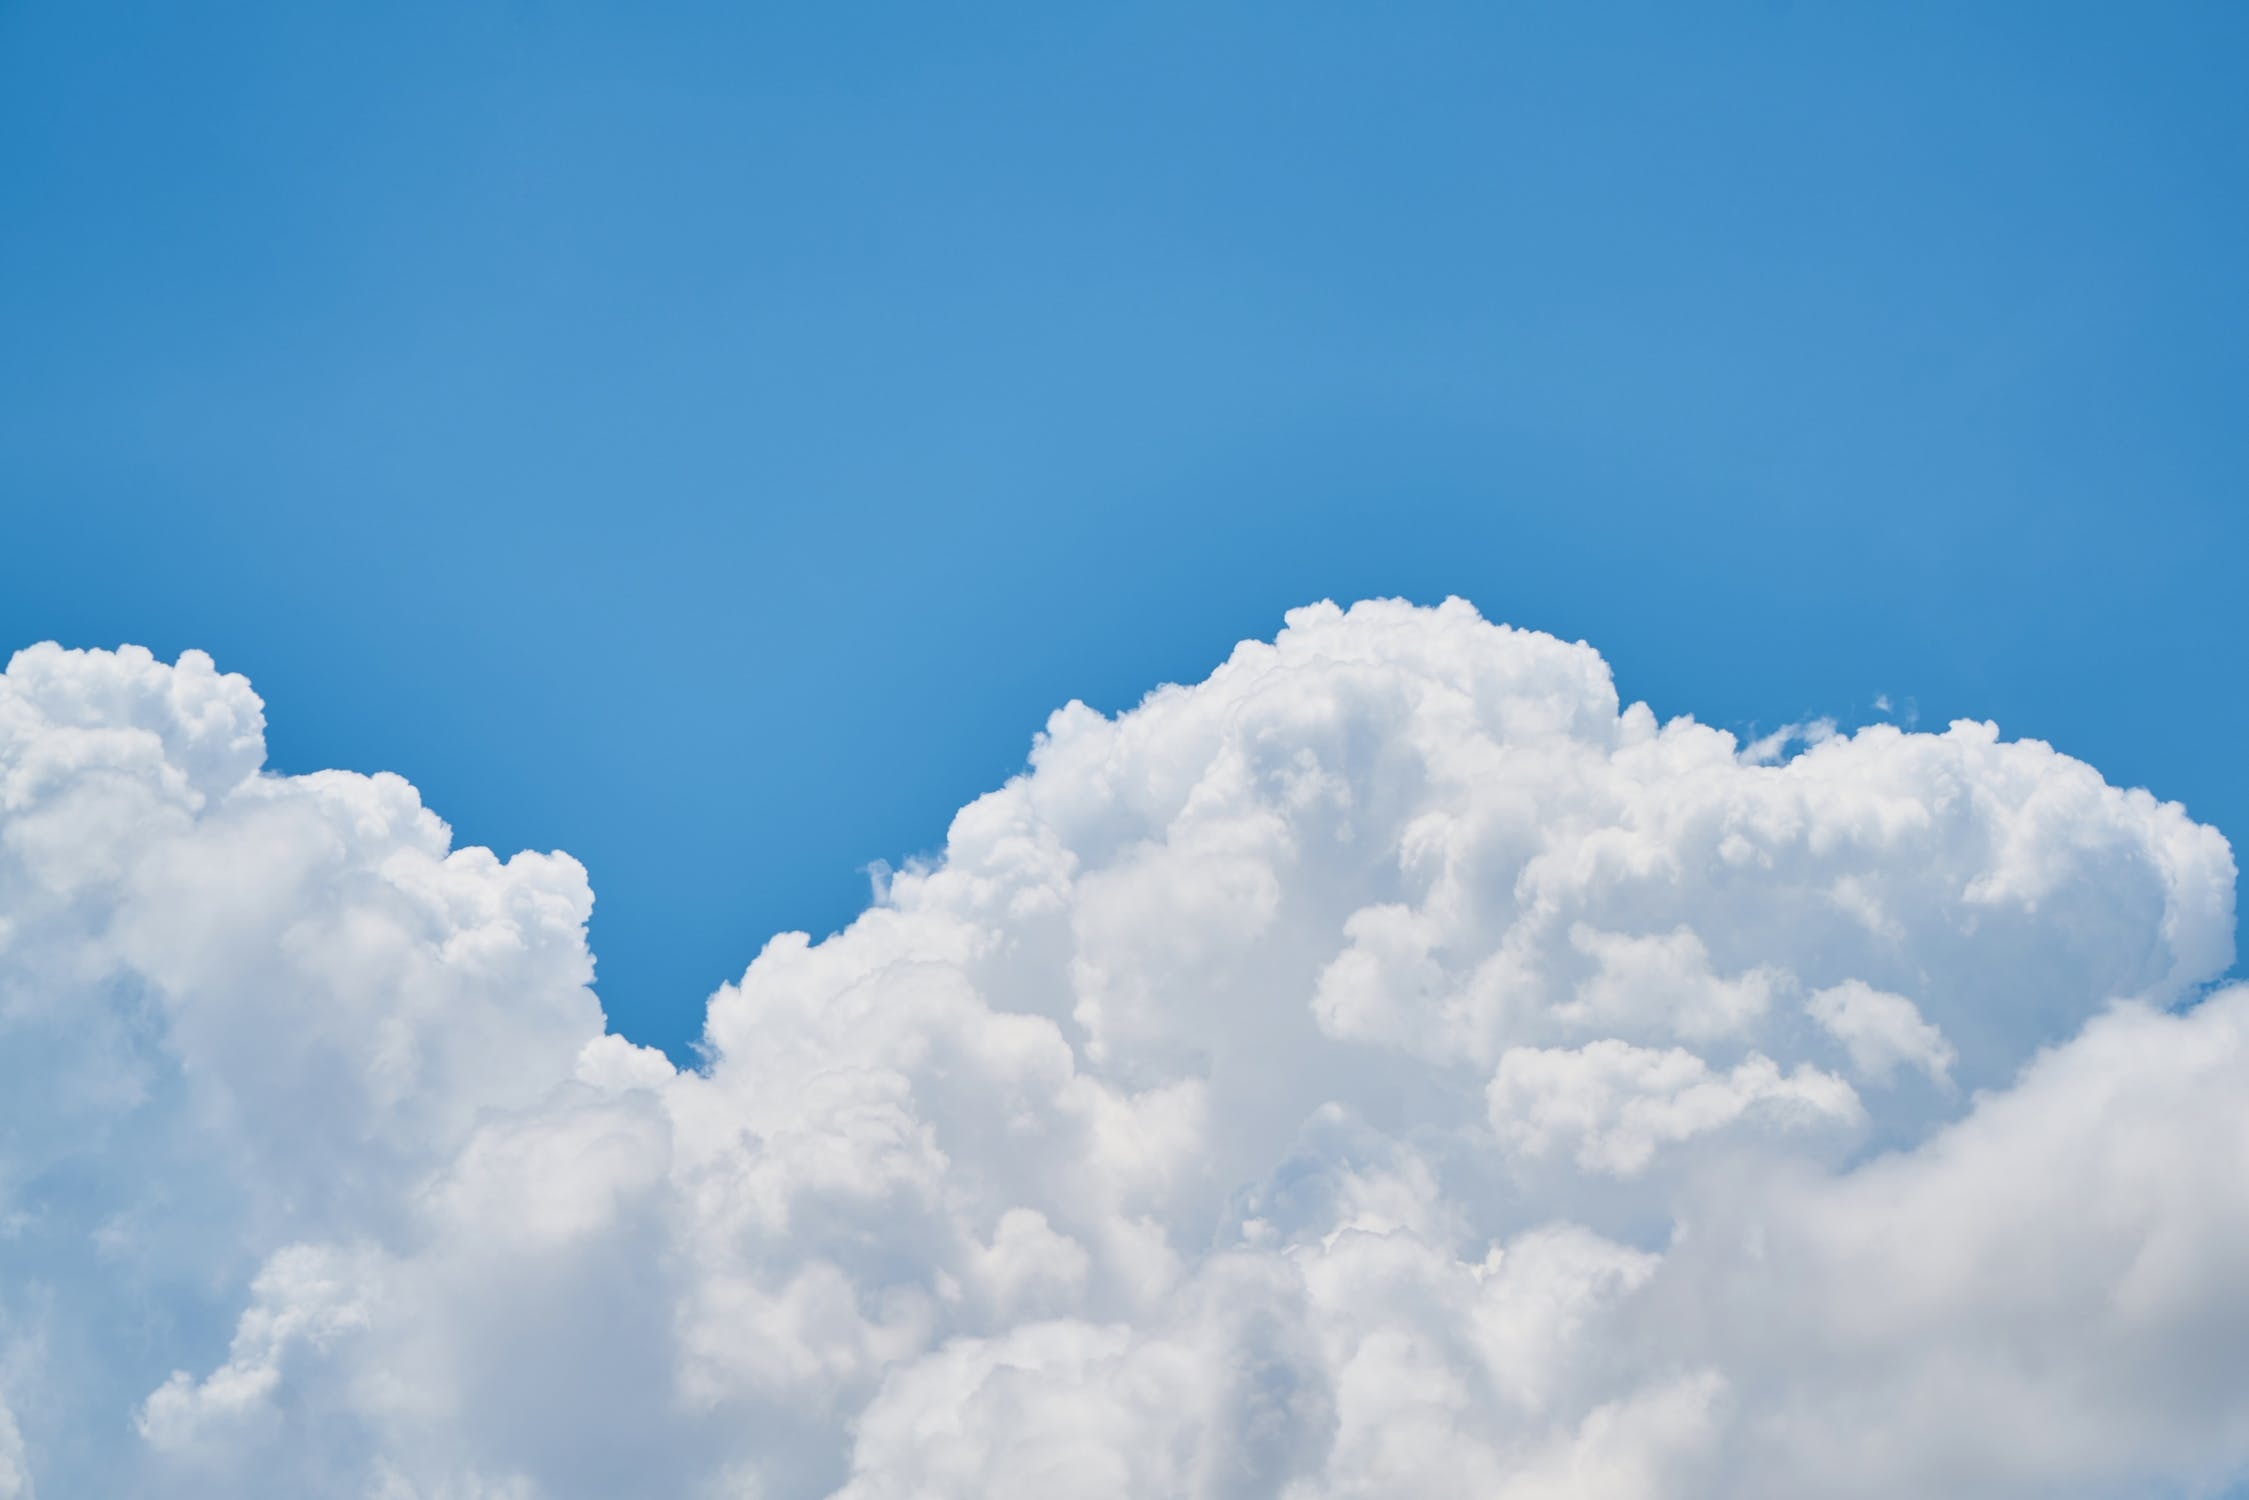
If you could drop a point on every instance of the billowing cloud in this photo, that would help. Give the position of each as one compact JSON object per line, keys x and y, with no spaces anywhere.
{"x":1390,"y":1066}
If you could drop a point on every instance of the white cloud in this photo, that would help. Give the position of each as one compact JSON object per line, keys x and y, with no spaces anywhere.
{"x":1661,"y":982}
{"x":1614,"y":1104}
{"x":1880,"y":1031}
{"x":15,"y":1483}
{"x":1390,"y":1066}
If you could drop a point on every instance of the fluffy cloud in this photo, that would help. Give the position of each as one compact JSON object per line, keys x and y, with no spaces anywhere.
{"x":1880,"y":1031}
{"x":1615,"y":1103}
{"x":1390,"y":1066}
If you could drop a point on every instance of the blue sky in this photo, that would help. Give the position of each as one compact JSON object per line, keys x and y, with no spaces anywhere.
{"x":712,"y":441}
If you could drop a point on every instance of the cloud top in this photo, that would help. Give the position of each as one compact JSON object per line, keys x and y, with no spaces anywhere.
{"x":1391,"y":1065}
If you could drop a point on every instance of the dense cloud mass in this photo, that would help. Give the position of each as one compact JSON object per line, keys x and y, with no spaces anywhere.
{"x":1389,"y":1067}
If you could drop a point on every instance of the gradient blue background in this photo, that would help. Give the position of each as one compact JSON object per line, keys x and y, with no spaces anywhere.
{"x":710,"y":438}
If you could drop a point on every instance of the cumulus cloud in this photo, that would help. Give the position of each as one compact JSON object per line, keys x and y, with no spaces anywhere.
{"x":1393,"y":1065}
{"x":1614,"y":1103}
{"x":1880,"y":1031}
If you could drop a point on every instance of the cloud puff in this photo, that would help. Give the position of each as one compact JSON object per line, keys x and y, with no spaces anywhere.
{"x":1880,"y":1031}
{"x":1392,"y":1065}
{"x":1615,"y":1103}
